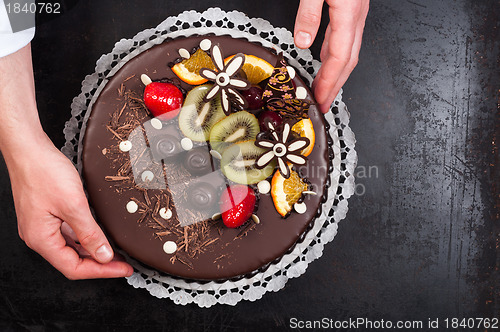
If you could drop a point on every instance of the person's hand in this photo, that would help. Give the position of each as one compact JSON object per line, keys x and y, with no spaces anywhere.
{"x":340,"y":49}
{"x":53,"y":215}
{"x":54,"y":218}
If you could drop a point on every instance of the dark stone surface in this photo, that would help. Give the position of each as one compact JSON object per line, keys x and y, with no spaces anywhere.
{"x":421,"y":237}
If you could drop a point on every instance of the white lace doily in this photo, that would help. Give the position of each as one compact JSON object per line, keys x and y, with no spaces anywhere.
{"x":294,"y":263}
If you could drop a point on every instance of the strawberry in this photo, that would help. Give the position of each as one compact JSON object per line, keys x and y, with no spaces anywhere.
{"x":164,"y":100}
{"x":236,"y":204}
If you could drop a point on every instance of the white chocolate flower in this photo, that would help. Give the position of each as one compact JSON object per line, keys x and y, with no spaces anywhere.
{"x":224,"y":78}
{"x":284,"y":152}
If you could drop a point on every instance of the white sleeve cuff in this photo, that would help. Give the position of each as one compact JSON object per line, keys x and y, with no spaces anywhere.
{"x":12,"y":42}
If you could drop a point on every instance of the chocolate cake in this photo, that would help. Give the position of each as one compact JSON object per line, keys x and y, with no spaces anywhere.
{"x":207,"y":203}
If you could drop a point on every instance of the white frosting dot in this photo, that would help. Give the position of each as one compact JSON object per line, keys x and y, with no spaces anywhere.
{"x":255,"y":218}
{"x":125,"y":146}
{"x":291,"y":72}
{"x":215,"y":154}
{"x":300,"y":207}
{"x":146,"y":80}
{"x":169,"y":247}
{"x":184,"y":53}
{"x":205,"y":44}
{"x":301,"y":92}
{"x":165,"y":213}
{"x":264,"y":187}
{"x":156,"y":124}
{"x":186,"y":143}
{"x":147,"y":176}
{"x":132,"y":207}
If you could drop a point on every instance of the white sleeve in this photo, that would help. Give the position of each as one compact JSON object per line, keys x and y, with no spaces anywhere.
{"x":11,"y":42}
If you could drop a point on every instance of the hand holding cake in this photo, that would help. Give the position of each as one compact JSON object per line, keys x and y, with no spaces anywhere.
{"x":52,"y":211}
{"x":340,"y":49}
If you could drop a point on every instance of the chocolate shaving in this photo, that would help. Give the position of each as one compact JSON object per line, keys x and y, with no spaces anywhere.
{"x":164,"y":233}
{"x":168,"y":197}
{"x":121,"y":112}
{"x":141,"y":204}
{"x":116,"y":178}
{"x":125,"y":80}
{"x":143,"y":216}
{"x":114,"y":133}
{"x":159,"y":222}
{"x":186,"y":238}
{"x":183,"y":259}
{"x":125,"y":168}
{"x":220,"y":257}
{"x":249,"y":226}
{"x":209,"y":242}
{"x":134,"y":101}
{"x":121,"y":90}
{"x":146,"y":198}
{"x":157,"y":205}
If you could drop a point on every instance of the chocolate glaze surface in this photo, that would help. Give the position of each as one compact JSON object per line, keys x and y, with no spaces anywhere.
{"x":232,"y":254}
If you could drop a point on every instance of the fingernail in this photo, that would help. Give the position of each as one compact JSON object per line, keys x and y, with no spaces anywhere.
{"x":104,"y":254}
{"x":303,"y":39}
{"x":130,"y":271}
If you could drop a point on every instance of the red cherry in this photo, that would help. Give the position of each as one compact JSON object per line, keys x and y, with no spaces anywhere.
{"x":164,"y":100}
{"x":253,"y":97}
{"x":270,"y":116}
{"x":237,"y":203}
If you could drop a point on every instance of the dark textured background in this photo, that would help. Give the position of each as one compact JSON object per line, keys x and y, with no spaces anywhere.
{"x":421,"y":239}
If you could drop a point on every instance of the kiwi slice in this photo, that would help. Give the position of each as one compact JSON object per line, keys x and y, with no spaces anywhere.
{"x":238,"y":163}
{"x":237,"y":127}
{"x":197,"y":117}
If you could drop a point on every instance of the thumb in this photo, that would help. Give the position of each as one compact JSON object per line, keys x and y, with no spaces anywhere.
{"x":89,"y":234}
{"x":307,"y":22}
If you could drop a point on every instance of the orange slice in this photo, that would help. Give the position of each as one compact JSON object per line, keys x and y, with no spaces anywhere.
{"x":189,"y":70}
{"x":305,"y":129}
{"x":286,"y":192}
{"x":255,"y":68}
